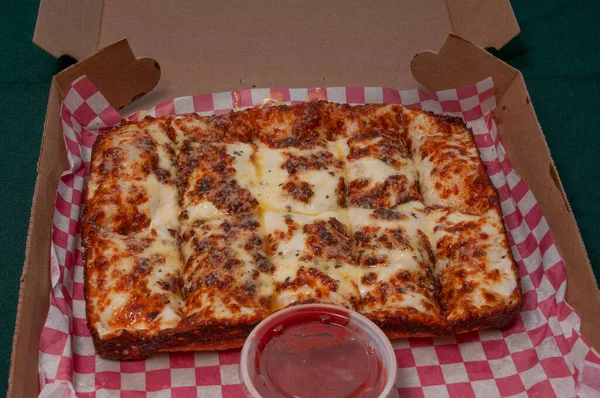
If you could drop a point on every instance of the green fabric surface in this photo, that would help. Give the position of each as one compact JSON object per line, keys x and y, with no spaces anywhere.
{"x":557,"y":51}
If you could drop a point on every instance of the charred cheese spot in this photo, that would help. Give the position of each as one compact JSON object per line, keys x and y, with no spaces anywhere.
{"x":379,"y":171}
{"x":209,"y":177}
{"x":391,"y":192}
{"x":378,"y":145}
{"x":299,"y":162}
{"x":329,"y":239}
{"x":387,"y":214}
{"x":227,"y":274}
{"x":299,"y":190}
{"x":231,"y":128}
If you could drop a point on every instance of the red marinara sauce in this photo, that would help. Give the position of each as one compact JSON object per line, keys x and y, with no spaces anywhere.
{"x":313,"y":351}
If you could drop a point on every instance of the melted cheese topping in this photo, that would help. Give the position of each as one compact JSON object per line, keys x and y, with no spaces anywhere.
{"x":451,"y":173}
{"x":312,"y":258}
{"x":377,"y":233}
{"x":217,"y":179}
{"x":133,"y":281}
{"x":300,"y":181}
{"x":227,"y":275}
{"x":294,"y":238}
{"x":379,"y":172}
{"x":246,"y":174}
{"x":126,"y":207}
{"x":132,"y":181}
{"x":339,"y":148}
{"x":394,"y":253}
{"x":473,"y":262}
{"x":163,"y":206}
{"x":132,"y":153}
{"x":373,"y":170}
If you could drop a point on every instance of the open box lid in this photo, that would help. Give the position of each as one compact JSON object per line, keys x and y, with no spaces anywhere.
{"x":79,"y":29}
{"x":211,"y":46}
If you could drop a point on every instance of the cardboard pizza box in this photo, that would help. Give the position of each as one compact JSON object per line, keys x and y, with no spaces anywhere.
{"x":141,"y":52}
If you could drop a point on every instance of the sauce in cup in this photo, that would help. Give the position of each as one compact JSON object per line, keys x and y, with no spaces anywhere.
{"x":317,"y":350}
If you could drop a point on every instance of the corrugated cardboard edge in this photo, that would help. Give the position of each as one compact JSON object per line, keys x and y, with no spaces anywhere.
{"x":461,"y":63}
{"x":115,"y":66}
{"x":69,"y":27}
{"x":490,"y":23}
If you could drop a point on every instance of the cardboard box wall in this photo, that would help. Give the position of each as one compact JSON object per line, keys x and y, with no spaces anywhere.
{"x":211,"y":45}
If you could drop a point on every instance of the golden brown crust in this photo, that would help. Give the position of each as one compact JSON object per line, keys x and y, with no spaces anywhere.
{"x":135,"y":346}
{"x":209,"y":346}
{"x":395,"y":335}
{"x":189,"y":154}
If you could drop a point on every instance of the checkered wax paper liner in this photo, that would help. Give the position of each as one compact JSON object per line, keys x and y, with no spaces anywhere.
{"x":543,"y":354}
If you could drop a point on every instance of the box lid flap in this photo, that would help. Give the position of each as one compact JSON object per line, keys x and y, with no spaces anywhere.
{"x":116,"y":72}
{"x":490,"y":23}
{"x":76,"y":27}
{"x":460,"y":63}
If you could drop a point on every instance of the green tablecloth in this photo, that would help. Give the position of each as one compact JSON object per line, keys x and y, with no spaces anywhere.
{"x":557,"y":51}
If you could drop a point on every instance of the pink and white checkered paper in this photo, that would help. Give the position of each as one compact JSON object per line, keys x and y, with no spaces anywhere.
{"x":543,"y":354}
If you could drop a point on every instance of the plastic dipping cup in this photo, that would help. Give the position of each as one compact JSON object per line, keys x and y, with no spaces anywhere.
{"x":317,"y":350}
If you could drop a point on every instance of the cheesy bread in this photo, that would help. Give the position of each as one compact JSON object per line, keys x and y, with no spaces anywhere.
{"x":197,"y":228}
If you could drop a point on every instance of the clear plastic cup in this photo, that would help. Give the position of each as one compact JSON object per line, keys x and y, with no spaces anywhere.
{"x":317,"y":350}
